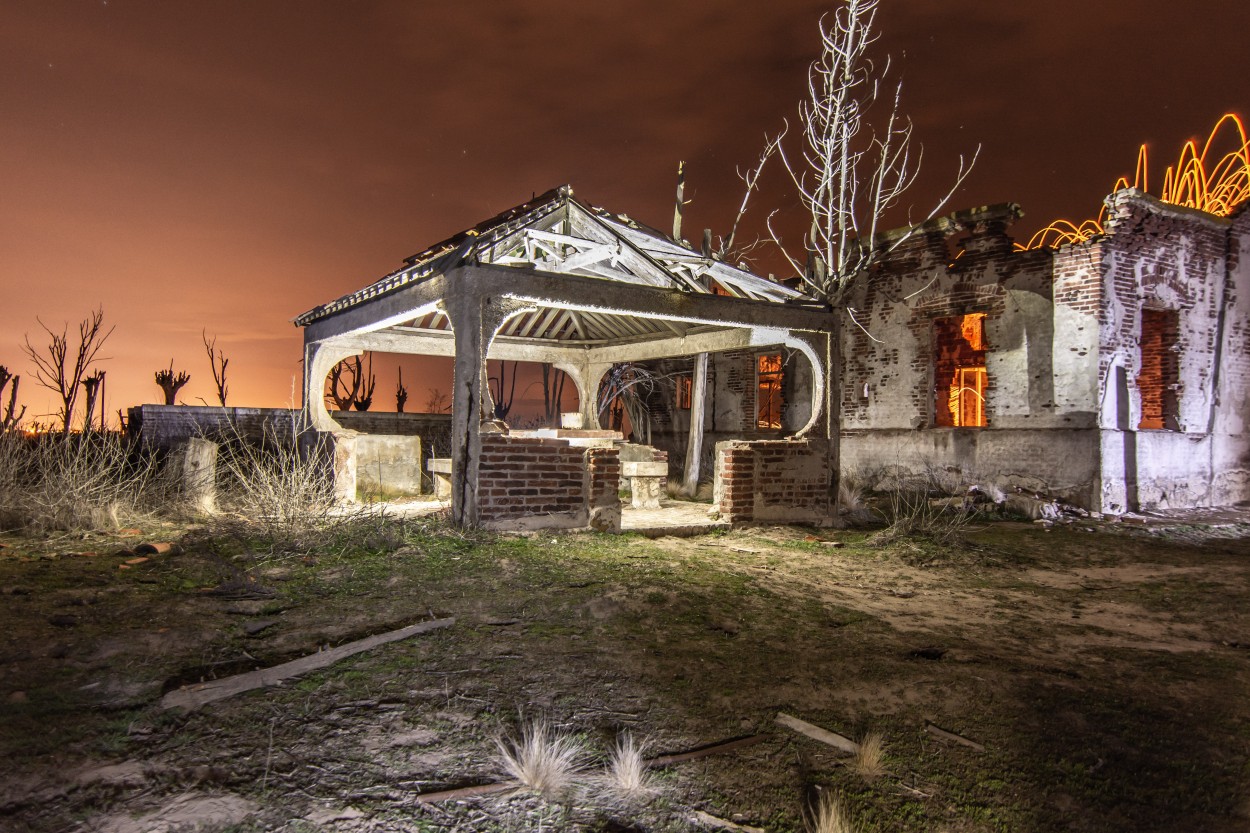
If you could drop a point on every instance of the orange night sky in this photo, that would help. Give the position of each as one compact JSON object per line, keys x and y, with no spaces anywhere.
{"x":225,"y":166}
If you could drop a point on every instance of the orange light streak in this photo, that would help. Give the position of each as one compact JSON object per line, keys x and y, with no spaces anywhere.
{"x":1192,"y":182}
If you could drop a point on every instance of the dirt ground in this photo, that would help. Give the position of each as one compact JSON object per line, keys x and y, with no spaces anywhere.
{"x":1093,"y":677}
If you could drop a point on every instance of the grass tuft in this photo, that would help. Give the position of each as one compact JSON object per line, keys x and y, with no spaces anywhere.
{"x":542,"y":759}
{"x":869,"y":761}
{"x":627,"y":777}
{"x":830,"y":817}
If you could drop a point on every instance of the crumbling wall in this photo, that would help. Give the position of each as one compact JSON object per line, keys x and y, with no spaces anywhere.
{"x":774,"y":481}
{"x":1162,"y":257}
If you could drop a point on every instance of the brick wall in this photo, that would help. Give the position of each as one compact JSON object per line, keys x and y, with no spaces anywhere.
{"x":533,"y":482}
{"x":164,"y":426}
{"x":777,"y":481}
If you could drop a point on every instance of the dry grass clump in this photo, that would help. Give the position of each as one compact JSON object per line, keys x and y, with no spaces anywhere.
{"x":65,"y":482}
{"x":542,"y":759}
{"x":869,"y":761}
{"x":829,"y":816}
{"x":628,"y":777}
{"x":279,"y":489}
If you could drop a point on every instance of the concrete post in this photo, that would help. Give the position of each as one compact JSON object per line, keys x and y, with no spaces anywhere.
{"x":198,"y":474}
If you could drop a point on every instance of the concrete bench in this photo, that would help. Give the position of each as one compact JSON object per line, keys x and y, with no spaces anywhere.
{"x":646,"y":483}
{"x":440,"y":469}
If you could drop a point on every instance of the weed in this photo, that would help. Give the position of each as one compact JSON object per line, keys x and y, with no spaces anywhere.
{"x":73,"y":482}
{"x":627,"y":777}
{"x":829,"y":816}
{"x":869,"y":761}
{"x":542,"y":759}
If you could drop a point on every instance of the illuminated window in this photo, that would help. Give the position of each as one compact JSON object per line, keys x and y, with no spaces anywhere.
{"x":768,"y":375}
{"x":684,"y":387}
{"x":959,"y":376}
{"x":1160,"y":370}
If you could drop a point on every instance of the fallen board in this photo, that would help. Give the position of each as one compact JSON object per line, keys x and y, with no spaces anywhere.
{"x":191,"y":697}
{"x":816,"y":733}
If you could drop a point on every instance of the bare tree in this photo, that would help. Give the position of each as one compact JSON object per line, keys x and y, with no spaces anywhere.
{"x":625,"y":389}
{"x":436,"y":402}
{"x":553,"y":393}
{"x":401,"y":392}
{"x":93,"y":386}
{"x":61,"y":368}
{"x":367,"y":382}
{"x":497,"y":385}
{"x":344,"y":384}
{"x":171,"y":383}
{"x":10,"y":416}
{"x":218,"y":362}
{"x":851,"y":174}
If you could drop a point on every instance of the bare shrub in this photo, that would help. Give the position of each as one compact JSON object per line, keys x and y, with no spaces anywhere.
{"x":627,"y":776}
{"x":64,"y":482}
{"x":829,"y":816}
{"x":278,"y":491}
{"x":925,"y":509}
{"x":542,"y":759}
{"x":869,"y":761}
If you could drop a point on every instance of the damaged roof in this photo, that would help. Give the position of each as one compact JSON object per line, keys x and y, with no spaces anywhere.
{"x":556,"y":233}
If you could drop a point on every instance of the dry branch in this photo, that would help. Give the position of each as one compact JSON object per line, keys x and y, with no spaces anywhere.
{"x":703,"y":752}
{"x":816,"y":733}
{"x":193,"y":696}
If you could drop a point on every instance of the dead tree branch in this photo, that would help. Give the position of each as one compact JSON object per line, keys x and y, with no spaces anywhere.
{"x":61,"y":368}
{"x":10,"y":416}
{"x":218,"y":362}
{"x":849,"y":174}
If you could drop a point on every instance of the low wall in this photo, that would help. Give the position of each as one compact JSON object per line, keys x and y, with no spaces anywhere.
{"x":389,"y":463}
{"x":1055,"y":461}
{"x":774,"y":481}
{"x":543,"y":483}
{"x":165,"y":426}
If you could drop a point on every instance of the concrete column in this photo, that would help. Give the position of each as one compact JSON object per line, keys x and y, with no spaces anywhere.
{"x":588,"y":376}
{"x":474,"y":319}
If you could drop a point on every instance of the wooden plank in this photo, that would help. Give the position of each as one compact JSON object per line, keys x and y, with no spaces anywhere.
{"x":816,"y":733}
{"x":953,"y":738}
{"x":193,"y":696}
{"x":723,"y":824}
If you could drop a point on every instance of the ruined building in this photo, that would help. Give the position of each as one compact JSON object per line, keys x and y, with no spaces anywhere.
{"x":1111,"y":373}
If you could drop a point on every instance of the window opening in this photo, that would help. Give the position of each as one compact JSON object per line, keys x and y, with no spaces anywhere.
{"x":685,"y":385}
{"x":1159,"y":378}
{"x":768,"y":376}
{"x":959,"y":374}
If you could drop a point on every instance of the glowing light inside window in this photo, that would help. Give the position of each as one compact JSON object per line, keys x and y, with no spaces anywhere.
{"x":959,"y":373}
{"x":768,"y":375}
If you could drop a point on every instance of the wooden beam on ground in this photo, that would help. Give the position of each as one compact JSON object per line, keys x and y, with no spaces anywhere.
{"x":191,"y":697}
{"x":953,"y":738}
{"x":816,"y":733}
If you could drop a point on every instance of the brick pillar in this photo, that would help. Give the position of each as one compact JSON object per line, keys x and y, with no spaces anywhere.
{"x":735,"y":480}
{"x":603,"y":473}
